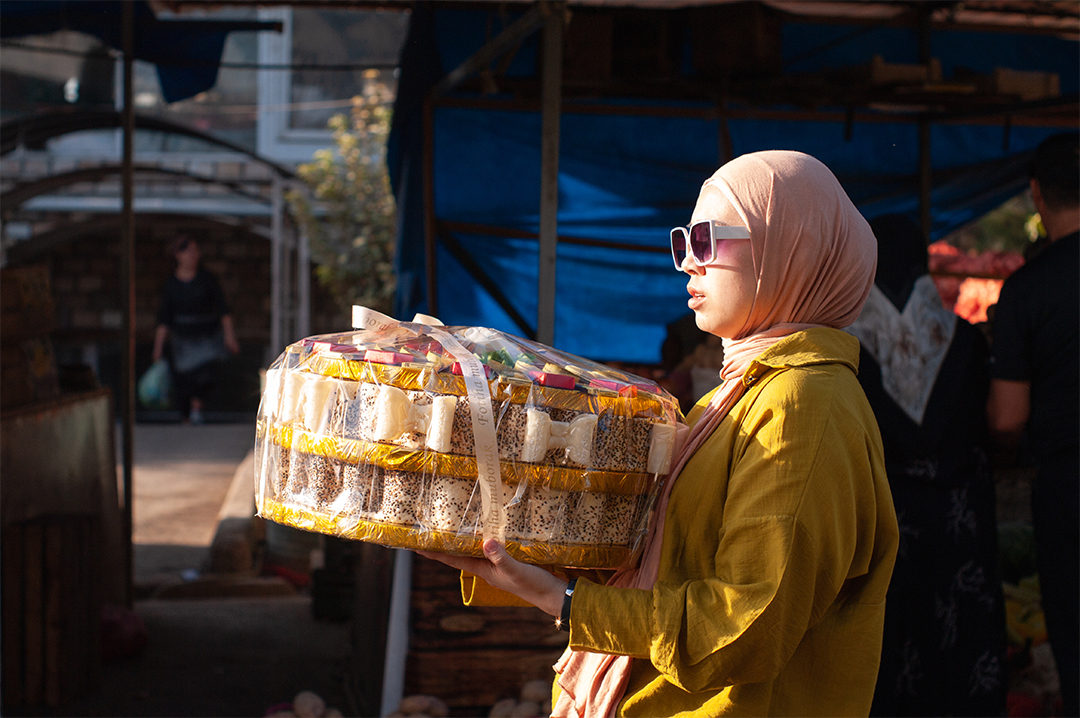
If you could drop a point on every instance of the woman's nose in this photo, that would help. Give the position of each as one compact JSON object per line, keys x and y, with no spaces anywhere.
{"x":690,"y":265}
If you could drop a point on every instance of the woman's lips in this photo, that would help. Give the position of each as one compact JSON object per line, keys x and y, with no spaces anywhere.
{"x":696,"y":299}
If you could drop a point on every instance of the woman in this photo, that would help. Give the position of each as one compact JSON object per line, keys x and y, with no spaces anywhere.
{"x":196,"y":320}
{"x":924,"y":371}
{"x":761,"y":587}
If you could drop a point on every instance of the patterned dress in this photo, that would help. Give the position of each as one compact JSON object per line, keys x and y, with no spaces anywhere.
{"x":924,"y":371}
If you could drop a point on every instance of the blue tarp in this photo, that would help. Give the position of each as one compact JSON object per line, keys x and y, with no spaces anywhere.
{"x":626,"y":179}
{"x":186,"y":55}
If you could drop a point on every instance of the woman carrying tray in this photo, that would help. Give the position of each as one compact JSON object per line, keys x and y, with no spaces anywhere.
{"x":761,"y":587}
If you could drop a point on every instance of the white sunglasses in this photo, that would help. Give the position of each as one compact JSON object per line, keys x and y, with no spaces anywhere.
{"x":700,"y":240}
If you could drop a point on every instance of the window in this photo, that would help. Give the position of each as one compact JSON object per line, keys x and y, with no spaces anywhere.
{"x":332,"y":54}
{"x":227,"y":111}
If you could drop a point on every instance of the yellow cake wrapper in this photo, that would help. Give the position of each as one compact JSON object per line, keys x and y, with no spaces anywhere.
{"x":398,"y":458}
{"x":424,"y":539}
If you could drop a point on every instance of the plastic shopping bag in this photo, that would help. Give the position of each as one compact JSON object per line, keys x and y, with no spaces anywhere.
{"x":155,"y":386}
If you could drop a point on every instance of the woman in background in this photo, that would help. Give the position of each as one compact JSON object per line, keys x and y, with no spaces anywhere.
{"x":195,"y":319}
{"x":924,"y":370}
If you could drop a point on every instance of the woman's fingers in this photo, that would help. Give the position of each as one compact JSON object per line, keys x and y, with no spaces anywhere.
{"x":497,"y":555}
{"x":538,"y":586}
{"x":501,"y":570}
{"x":497,"y":567}
{"x":475,"y":566}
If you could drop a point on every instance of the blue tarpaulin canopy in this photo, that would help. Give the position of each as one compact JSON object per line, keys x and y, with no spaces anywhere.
{"x":636,"y":144}
{"x":186,"y":53}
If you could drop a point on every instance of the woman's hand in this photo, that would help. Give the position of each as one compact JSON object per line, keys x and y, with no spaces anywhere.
{"x":529,"y":583}
{"x":161,"y":333}
{"x":230,"y":334}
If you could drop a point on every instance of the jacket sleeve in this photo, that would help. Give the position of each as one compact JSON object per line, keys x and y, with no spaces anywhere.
{"x":797,"y":517}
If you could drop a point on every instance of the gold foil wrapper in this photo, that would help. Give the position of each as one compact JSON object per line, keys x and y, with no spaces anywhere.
{"x":355,"y":451}
{"x":426,"y":379}
{"x":538,"y":553}
{"x":561,"y":510}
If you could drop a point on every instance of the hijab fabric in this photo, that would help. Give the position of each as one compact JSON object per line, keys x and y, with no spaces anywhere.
{"x":814,"y":257}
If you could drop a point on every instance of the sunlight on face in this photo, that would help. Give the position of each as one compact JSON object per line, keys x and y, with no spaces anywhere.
{"x":721,"y":293}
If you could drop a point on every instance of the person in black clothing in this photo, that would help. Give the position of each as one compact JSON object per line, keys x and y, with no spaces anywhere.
{"x":924,"y":370}
{"x":1035,"y":390}
{"x":195,"y":320}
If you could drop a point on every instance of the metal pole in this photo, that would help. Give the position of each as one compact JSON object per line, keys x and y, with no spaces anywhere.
{"x":277,"y":285}
{"x":288,"y":273}
{"x":926,"y":180}
{"x":397,"y":633}
{"x":551,"y":99}
{"x":303,"y":284}
{"x":430,"y":250}
{"x":127,"y":234}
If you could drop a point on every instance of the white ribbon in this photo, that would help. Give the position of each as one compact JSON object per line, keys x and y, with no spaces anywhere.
{"x":543,"y":434}
{"x":395,"y":415}
{"x":483,"y":419}
{"x":661,"y":448}
{"x":483,"y":423}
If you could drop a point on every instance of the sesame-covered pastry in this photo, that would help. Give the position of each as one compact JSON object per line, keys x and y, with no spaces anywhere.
{"x":396,"y":436}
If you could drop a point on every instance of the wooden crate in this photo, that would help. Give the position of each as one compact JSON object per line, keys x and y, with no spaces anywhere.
{"x":28,"y":372}
{"x":473,"y":657}
{"x":888,"y":73}
{"x":50,"y":610}
{"x":1028,"y":86}
{"x":26,"y":303}
{"x":61,"y":549}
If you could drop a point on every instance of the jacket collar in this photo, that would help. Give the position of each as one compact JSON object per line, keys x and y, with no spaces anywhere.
{"x":820,"y":345}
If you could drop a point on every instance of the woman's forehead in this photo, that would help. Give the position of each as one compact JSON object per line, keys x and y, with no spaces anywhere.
{"x":712,"y":204}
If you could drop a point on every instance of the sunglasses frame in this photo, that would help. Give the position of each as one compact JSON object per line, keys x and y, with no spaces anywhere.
{"x":716,"y":231}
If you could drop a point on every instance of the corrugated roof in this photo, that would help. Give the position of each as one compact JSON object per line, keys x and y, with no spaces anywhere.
{"x":1057,"y":16}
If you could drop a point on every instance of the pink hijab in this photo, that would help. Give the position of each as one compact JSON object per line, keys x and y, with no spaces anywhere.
{"x":815,"y":258}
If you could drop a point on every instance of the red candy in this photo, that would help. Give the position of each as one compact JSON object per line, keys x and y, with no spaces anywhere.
{"x":555,"y":381}
{"x":386,"y":357}
{"x":621,"y":388}
{"x":456,"y":369}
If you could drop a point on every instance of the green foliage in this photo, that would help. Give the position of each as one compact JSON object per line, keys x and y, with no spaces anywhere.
{"x":349,"y":216}
{"x":1010,"y":227}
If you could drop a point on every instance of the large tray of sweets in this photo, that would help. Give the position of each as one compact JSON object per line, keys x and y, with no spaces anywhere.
{"x":404,"y":434}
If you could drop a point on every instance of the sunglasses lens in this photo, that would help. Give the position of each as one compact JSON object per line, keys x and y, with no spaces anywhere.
{"x":701,"y":244}
{"x":678,"y":246}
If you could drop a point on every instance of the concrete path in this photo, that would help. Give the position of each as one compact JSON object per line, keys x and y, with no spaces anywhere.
{"x":182,"y":476}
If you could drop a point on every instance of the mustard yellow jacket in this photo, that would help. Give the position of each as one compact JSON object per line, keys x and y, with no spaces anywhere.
{"x":777,"y":553}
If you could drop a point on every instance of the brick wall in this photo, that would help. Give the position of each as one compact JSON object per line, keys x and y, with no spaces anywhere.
{"x":86,"y":283}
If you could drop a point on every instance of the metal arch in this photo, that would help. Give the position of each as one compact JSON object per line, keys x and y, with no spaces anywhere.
{"x":30,"y":249}
{"x":36,"y":129}
{"x":14,"y":197}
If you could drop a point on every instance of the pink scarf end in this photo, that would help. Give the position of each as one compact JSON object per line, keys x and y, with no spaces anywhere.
{"x":599,"y":699}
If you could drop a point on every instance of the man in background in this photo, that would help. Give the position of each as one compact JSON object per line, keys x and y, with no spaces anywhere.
{"x":1035,"y":388}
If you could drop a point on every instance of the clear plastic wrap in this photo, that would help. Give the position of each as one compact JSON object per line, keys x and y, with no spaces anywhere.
{"x":389,"y":435}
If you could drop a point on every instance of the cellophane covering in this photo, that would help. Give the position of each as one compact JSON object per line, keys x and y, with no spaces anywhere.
{"x":371,"y":435}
